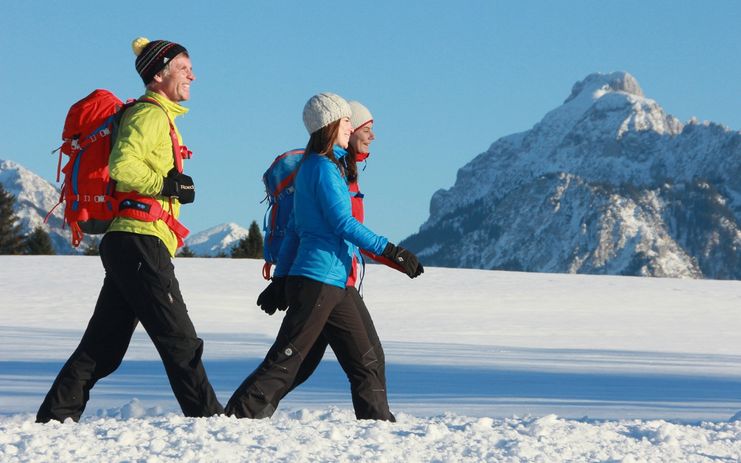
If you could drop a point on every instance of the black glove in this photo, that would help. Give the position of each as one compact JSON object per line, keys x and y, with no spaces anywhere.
{"x":273,"y":297}
{"x":405,"y":259}
{"x":180,"y":186}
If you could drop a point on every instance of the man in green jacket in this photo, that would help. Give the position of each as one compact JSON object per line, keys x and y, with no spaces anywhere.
{"x":140,"y":282}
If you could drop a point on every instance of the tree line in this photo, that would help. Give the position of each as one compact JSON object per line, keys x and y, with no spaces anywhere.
{"x":249,"y":247}
{"x":38,"y":242}
{"x":12,"y":240}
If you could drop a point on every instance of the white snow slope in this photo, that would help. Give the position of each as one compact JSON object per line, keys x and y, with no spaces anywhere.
{"x":482,"y":366}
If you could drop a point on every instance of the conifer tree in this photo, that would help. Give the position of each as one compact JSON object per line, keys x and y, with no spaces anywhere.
{"x":38,"y":242}
{"x":251,"y":245}
{"x":11,"y":240}
{"x":254,"y":241}
{"x":91,"y":248}
{"x":239,"y":250}
{"x":185,"y":251}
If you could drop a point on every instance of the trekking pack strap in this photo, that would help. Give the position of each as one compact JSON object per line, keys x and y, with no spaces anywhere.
{"x":59,"y":162}
{"x":382,"y":260}
{"x":273,"y":219}
{"x":266,"y":270}
{"x":362,"y":275}
{"x":61,"y":200}
{"x":77,"y":234}
{"x":179,"y":152}
{"x":147,"y":209}
{"x":284,"y":184}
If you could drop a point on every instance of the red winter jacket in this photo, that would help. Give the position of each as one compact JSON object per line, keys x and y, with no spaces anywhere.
{"x":356,"y":201}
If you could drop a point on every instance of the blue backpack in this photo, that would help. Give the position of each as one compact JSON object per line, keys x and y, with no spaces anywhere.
{"x":278,"y":180}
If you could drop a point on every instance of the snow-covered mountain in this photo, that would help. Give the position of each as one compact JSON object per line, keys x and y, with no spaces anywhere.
{"x":216,"y":240}
{"x":606,"y":183}
{"x":34,"y":198}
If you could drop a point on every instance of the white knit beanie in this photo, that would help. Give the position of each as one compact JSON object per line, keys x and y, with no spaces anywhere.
{"x":360,"y":114}
{"x":323,"y":109}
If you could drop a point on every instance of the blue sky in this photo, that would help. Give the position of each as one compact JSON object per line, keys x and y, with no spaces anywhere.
{"x":444,"y":80}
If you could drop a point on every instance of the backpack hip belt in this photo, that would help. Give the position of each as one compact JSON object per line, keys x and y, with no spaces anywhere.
{"x":147,"y":209}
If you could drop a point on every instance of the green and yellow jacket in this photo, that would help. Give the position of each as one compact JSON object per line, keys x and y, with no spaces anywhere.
{"x":141,"y":156}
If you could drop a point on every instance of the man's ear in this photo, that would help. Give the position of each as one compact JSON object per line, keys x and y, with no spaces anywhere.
{"x":158,"y":77}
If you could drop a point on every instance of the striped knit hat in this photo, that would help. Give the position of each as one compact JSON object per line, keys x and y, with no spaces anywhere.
{"x":152,"y":56}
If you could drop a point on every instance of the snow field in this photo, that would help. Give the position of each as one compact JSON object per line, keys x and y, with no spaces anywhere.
{"x":482,"y":366}
{"x":334,"y":435}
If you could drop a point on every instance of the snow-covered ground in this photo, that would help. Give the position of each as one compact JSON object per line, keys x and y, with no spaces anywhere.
{"x":482,"y":366}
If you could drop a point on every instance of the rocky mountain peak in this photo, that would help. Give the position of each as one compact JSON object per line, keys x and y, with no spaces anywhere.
{"x":598,"y":82}
{"x":34,"y":198}
{"x":216,"y":240}
{"x":607,"y":182}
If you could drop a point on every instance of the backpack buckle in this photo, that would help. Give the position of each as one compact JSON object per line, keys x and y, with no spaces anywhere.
{"x":185,"y":153}
{"x":99,"y":198}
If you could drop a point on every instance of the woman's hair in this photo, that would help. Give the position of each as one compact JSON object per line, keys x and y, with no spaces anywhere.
{"x":322,"y":142}
{"x":351,"y":163}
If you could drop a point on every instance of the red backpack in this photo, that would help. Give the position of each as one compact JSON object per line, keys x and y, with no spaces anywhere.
{"x":88,"y":190}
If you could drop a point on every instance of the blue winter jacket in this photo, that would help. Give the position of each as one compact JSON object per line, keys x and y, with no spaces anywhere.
{"x":322,"y":233}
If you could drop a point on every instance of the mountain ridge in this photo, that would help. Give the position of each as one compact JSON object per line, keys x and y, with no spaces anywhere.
{"x":36,"y":197}
{"x":217,"y":240}
{"x":608,"y":182}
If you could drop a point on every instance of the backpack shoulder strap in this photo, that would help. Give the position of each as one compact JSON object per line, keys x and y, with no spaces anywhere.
{"x":179,"y":152}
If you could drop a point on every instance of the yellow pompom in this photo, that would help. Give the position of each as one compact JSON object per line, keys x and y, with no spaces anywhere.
{"x":138,"y":45}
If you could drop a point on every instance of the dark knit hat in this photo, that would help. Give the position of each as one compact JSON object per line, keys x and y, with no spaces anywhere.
{"x":152,"y":56}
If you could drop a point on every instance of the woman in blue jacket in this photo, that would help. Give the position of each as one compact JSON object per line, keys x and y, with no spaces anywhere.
{"x":324,"y":242}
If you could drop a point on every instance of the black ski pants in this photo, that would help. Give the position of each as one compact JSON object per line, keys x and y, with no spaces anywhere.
{"x":316,"y":309}
{"x":365,"y":406}
{"x":139,"y":286}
